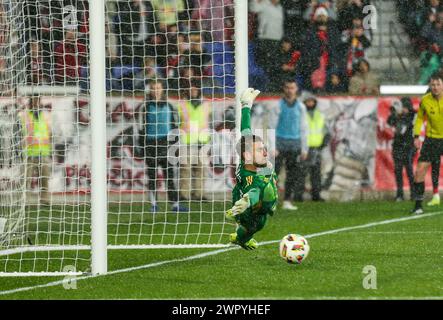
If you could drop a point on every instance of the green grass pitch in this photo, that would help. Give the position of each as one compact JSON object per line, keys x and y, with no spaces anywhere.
{"x":407,"y":255}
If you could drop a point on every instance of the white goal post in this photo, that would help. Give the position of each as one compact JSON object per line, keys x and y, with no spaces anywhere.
{"x":77,"y":155}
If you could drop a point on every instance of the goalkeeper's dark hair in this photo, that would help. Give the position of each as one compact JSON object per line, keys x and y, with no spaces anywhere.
{"x":246,"y":143}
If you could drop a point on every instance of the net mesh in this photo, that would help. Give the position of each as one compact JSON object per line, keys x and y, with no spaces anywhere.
{"x":170,"y":122}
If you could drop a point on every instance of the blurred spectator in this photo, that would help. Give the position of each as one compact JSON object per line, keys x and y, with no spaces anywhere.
{"x":134,"y":25}
{"x":194,"y":124}
{"x":37,"y":138}
{"x":355,"y":41}
{"x":168,"y":12}
{"x":157,"y":47}
{"x":415,"y":15}
{"x":423,"y":22}
{"x":270,"y":31}
{"x":159,"y":118}
{"x":432,"y":32}
{"x":309,"y":13}
{"x":54,"y":17}
{"x":37,"y":22}
{"x":428,"y":13}
{"x":402,"y":119}
{"x":434,"y":6}
{"x":177,"y":58}
{"x":152,"y":28}
{"x":44,"y":24}
{"x":69,"y":56}
{"x":407,"y":14}
{"x":5,"y":87}
{"x":292,"y":147}
{"x":430,"y":62}
{"x":318,"y":138}
{"x":216,"y":19}
{"x":294,"y":24}
{"x":431,"y":57}
{"x":351,"y":10}
{"x":147,"y":74}
{"x":336,"y":82}
{"x":285,"y":61}
{"x":187,"y":76}
{"x":37,"y":72}
{"x":45,"y":19}
{"x":111,"y":43}
{"x":320,"y":51}
{"x":197,"y":55}
{"x":171,"y":45}
{"x":364,"y":82}
{"x":190,"y":61}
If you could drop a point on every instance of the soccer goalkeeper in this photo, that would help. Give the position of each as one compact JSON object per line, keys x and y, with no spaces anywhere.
{"x":255,"y":193}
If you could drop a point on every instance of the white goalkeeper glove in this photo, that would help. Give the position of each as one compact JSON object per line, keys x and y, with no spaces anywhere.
{"x":239,"y":207}
{"x":248,"y":96}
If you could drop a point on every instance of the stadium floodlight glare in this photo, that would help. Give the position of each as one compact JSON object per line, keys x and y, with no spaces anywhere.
{"x":88,"y":65}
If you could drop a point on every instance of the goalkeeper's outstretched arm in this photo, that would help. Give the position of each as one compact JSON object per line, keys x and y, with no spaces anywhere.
{"x":247,"y":99}
{"x":252,"y":196}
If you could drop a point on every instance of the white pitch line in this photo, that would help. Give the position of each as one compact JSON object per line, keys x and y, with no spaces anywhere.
{"x":215,"y":252}
{"x":363,"y":226}
{"x":398,"y":232}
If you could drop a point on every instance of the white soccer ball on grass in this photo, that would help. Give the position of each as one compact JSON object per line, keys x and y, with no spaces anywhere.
{"x":294,"y":248}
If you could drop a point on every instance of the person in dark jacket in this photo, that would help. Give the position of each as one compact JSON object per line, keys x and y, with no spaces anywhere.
{"x":402,"y":119}
{"x":285,"y":64}
{"x":337,"y":82}
{"x":294,"y":24}
{"x":134,"y":25}
{"x":159,"y":117}
{"x":320,"y":51}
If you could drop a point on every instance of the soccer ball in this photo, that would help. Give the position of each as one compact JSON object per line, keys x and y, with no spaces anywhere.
{"x":294,"y":248}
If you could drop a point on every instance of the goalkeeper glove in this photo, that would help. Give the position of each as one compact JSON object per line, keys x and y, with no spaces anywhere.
{"x":248,"y":96}
{"x":239,"y":207}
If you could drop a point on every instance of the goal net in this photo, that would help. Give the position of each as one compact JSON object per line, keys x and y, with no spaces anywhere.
{"x":170,"y":122}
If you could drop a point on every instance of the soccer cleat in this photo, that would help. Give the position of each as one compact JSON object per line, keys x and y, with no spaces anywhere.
{"x":435,"y":200}
{"x":154,"y":208}
{"x":417,"y":211}
{"x":250,"y":245}
{"x":289,"y":206}
{"x":179,"y":208}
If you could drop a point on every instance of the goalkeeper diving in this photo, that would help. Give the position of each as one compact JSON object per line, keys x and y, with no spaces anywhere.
{"x":255,"y":193}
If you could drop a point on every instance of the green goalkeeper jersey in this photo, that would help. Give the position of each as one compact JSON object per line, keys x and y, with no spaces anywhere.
{"x":261,"y":185}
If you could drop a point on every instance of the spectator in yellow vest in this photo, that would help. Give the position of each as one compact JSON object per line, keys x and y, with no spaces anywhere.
{"x":318,"y":138}
{"x":168,"y":12}
{"x":194,"y":126}
{"x":37,"y":146}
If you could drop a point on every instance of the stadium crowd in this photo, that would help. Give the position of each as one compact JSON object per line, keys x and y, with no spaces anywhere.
{"x":319,"y":43}
{"x":423,"y":21}
{"x":184,"y":48}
